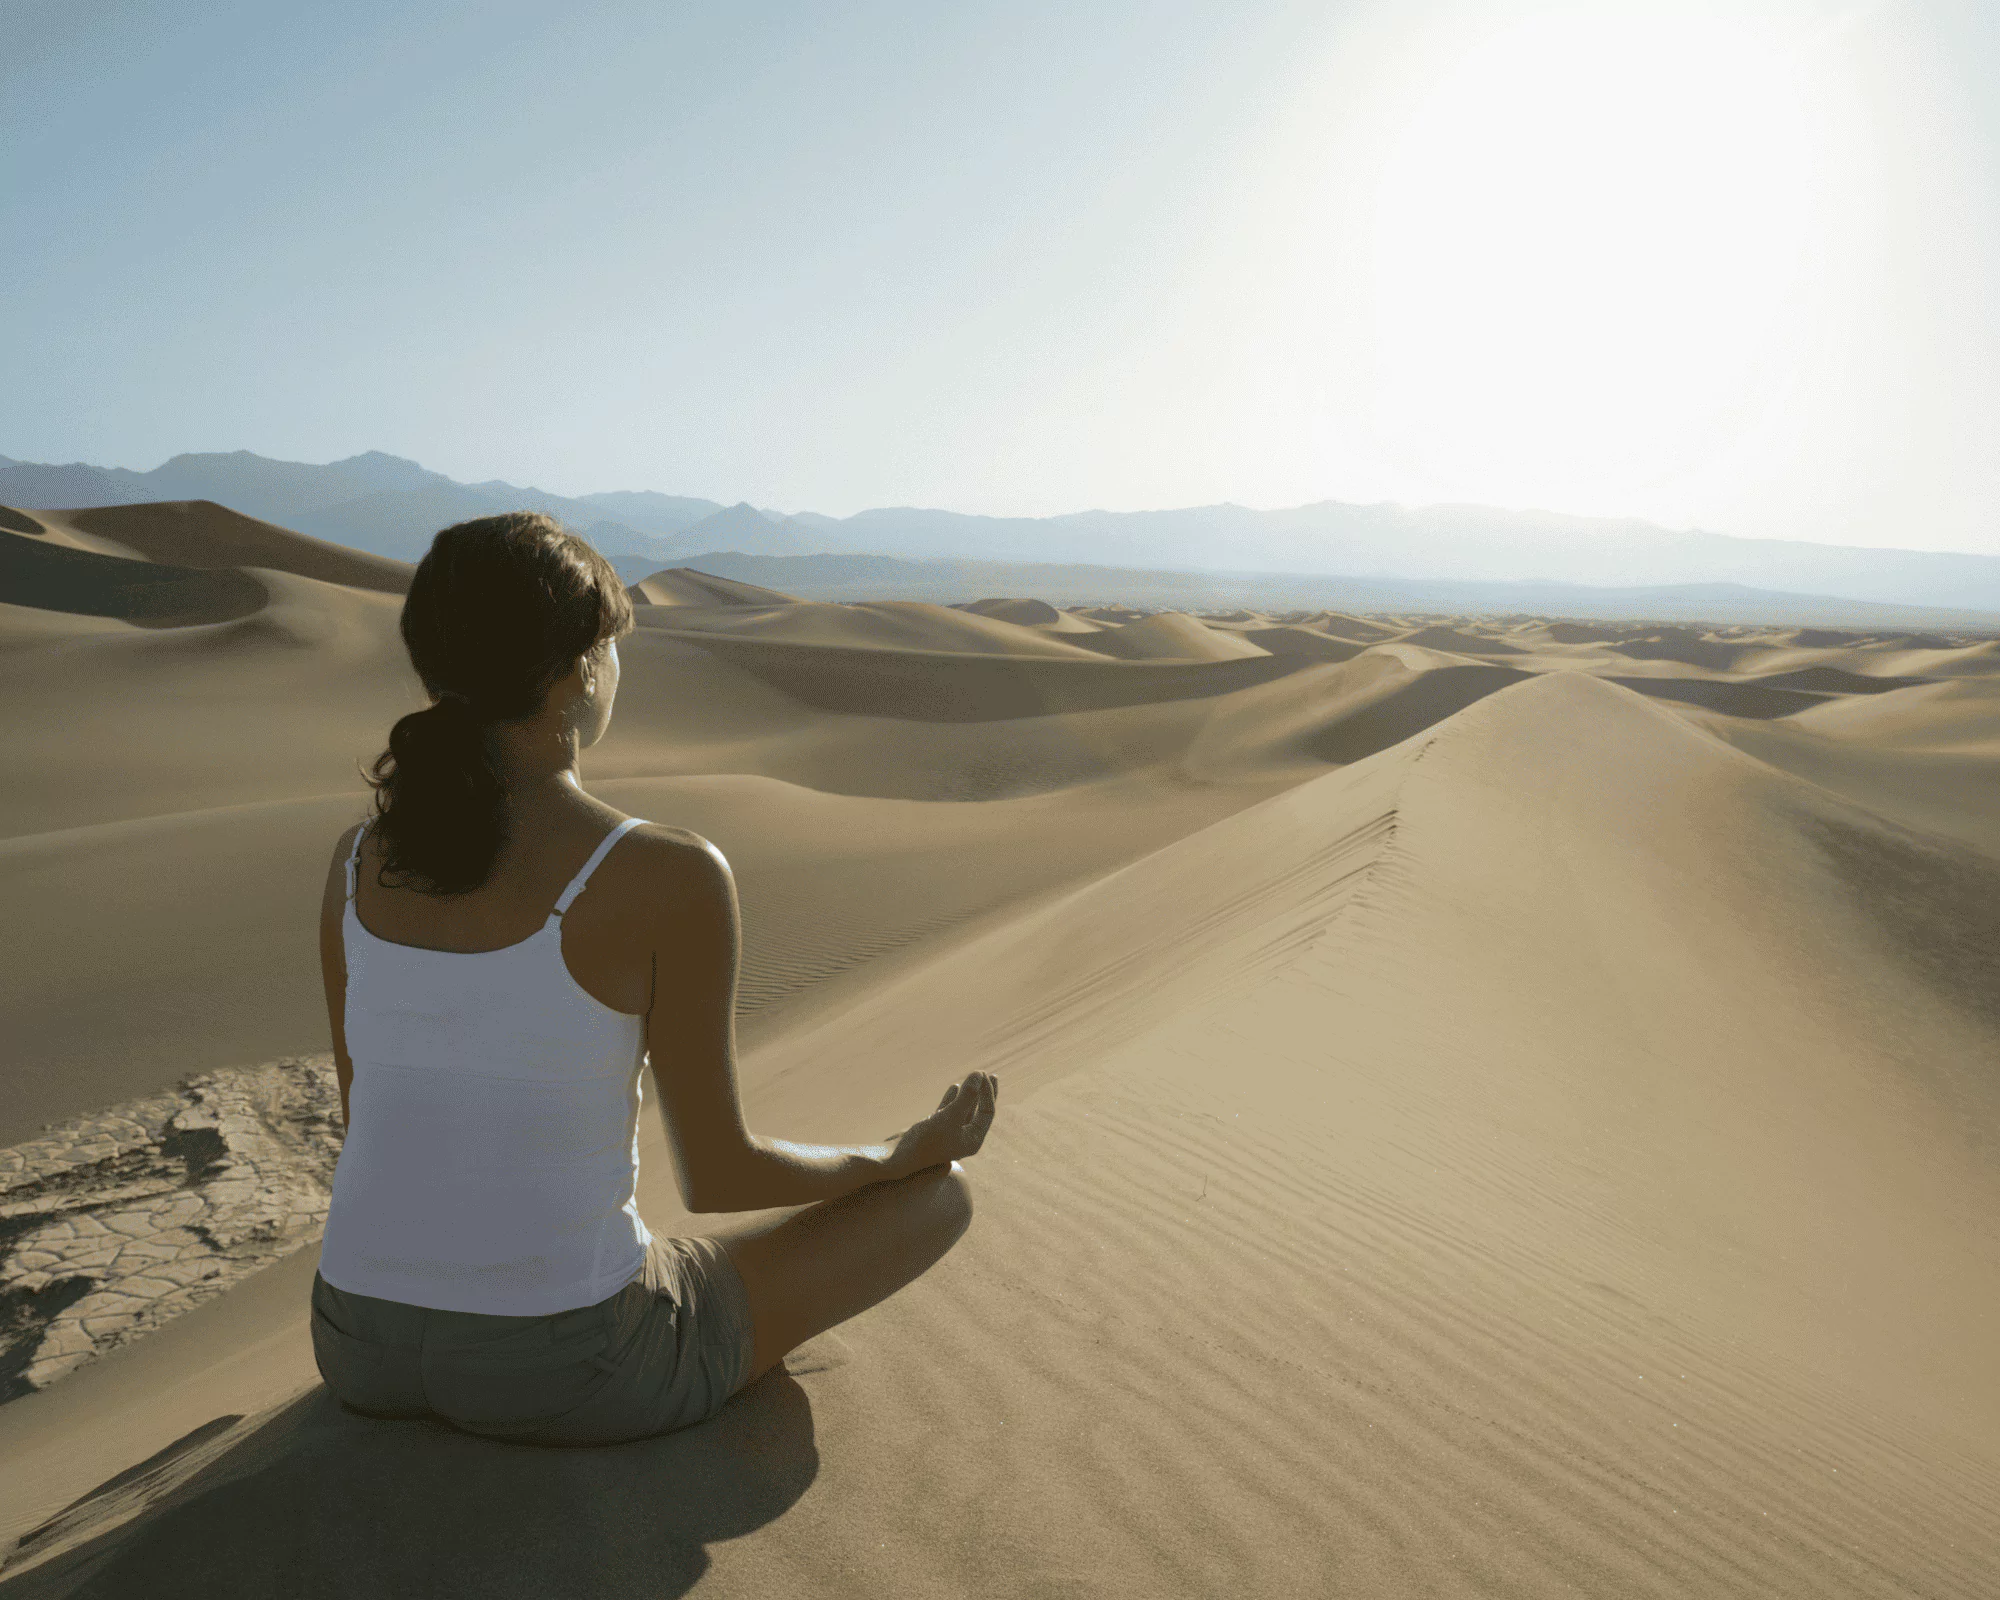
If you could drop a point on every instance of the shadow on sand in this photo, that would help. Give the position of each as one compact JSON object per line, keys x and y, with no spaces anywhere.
{"x":320,"y":1501}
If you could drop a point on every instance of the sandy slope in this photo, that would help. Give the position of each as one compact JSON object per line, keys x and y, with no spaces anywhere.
{"x":1472,"y":1124}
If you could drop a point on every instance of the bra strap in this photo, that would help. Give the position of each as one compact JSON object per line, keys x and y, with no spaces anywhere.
{"x":354,"y":856}
{"x":576,"y":884}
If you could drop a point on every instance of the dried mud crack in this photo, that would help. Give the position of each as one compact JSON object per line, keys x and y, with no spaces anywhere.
{"x":115,"y":1223}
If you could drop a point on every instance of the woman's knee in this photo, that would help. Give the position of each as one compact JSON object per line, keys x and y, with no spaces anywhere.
{"x":950,"y":1200}
{"x":960,"y":1183}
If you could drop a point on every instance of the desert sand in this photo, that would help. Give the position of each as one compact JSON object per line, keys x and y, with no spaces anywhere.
{"x":1491,"y":1106}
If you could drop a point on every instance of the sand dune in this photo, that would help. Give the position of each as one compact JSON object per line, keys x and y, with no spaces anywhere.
{"x":1172,"y":636}
{"x":872,"y":625}
{"x":1457,"y":639}
{"x":1947,"y":791}
{"x":1890,"y":659}
{"x":49,"y":575}
{"x":1341,"y":626}
{"x":1294,"y":640}
{"x":200,"y":533}
{"x":1946,"y":661}
{"x":1470,"y":1128}
{"x":1029,"y":613}
{"x":1510,"y":1274}
{"x":1036,"y":614}
{"x":1577,"y":633}
{"x":1824,"y":679}
{"x":1824,"y":638}
{"x":1410,"y":704}
{"x":1962,"y":713}
{"x":964,"y":686}
{"x":1070,"y":622}
{"x":1733,"y":696}
{"x":1686,"y":646}
{"x":683,"y":586}
{"x":112,"y":720}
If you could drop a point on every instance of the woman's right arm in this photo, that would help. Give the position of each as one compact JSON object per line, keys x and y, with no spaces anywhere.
{"x":691,"y":1037}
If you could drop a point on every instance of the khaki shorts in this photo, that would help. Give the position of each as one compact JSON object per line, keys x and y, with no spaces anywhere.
{"x":662,"y":1353}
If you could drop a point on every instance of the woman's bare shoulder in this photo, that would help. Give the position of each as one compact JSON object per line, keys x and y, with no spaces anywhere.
{"x":678,"y":850}
{"x":686,"y":891}
{"x":669,"y":835}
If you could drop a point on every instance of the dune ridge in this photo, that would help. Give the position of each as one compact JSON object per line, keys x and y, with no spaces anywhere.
{"x":684,"y":586}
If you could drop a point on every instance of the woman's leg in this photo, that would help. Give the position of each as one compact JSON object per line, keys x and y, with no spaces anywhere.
{"x":828,"y":1262}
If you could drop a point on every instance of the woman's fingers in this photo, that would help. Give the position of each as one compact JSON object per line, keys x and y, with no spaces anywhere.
{"x":967,"y":1109}
{"x":979,"y":1102}
{"x":980,"y":1112}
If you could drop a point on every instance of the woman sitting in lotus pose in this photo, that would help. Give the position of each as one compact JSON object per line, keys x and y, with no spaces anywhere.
{"x":505,"y":957}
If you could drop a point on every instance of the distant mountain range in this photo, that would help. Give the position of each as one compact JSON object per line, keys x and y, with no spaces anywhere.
{"x":389,"y":506}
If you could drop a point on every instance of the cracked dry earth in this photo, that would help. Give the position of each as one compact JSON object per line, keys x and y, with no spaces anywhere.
{"x":115,"y":1223}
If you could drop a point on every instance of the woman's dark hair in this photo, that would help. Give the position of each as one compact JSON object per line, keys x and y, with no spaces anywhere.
{"x":501,"y":609}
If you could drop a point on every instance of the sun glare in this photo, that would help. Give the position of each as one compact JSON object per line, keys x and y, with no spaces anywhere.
{"x":1592,"y":254}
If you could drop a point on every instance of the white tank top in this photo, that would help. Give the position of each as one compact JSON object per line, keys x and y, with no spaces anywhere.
{"x":492,"y":1153}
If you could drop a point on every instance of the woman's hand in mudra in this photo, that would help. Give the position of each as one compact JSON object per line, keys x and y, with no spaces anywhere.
{"x":952,"y":1132}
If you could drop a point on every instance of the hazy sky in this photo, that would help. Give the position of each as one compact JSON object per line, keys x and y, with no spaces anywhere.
{"x":1718,"y":263}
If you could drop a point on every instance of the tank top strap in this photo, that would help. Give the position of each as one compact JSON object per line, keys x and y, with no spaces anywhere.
{"x":576,"y":884}
{"x":353,"y":857}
